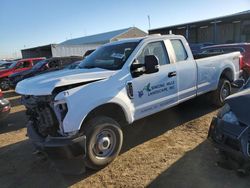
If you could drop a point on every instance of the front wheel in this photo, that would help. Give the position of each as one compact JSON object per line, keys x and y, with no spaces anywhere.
{"x":4,"y":84}
{"x":222,"y":92}
{"x":104,"y":141}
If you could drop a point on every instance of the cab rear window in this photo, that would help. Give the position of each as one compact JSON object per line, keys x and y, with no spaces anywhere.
{"x":180,"y":51}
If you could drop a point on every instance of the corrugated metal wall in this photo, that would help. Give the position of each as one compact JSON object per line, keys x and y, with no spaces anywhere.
{"x":71,"y":50}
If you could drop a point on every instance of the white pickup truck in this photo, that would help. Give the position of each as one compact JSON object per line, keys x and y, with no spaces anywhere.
{"x":82,"y":110}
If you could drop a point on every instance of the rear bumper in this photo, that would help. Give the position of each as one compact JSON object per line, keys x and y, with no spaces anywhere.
{"x":232,"y":139}
{"x":57,"y":147}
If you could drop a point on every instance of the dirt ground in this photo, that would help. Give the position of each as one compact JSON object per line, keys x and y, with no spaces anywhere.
{"x":168,"y":149}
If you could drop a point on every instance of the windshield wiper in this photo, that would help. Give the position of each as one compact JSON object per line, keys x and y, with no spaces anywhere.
{"x":92,"y":67}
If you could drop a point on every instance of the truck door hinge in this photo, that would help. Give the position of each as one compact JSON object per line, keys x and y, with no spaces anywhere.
{"x":129,"y":88}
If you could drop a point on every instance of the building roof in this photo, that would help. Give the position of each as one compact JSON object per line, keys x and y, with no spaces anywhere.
{"x":98,"y":38}
{"x":228,"y":18}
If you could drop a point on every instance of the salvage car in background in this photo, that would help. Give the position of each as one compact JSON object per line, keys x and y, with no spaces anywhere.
{"x":230,"y":130}
{"x":48,"y":65}
{"x":5,"y":64}
{"x":196,"y":48}
{"x":88,"y":52}
{"x":4,"y":106}
{"x":243,"y":48}
{"x":73,"y":65}
{"x":18,"y":66}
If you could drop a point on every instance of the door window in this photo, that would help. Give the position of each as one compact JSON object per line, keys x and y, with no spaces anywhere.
{"x":26,"y":64}
{"x":155,"y":48}
{"x":23,"y":64}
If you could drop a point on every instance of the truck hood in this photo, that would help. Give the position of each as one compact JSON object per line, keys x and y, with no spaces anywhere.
{"x":240,"y":104}
{"x":44,"y":84}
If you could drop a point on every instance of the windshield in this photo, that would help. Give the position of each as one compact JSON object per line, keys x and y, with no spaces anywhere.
{"x":13,"y":64}
{"x":39,"y":65}
{"x":5,"y":65}
{"x":111,"y":57}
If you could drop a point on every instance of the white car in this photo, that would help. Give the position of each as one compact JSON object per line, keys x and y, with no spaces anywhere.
{"x":83,"y":109}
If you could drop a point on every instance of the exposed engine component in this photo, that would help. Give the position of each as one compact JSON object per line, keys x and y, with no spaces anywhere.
{"x":41,"y":114}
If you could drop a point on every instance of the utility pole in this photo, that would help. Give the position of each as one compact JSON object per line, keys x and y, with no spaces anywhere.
{"x":149,"y":23}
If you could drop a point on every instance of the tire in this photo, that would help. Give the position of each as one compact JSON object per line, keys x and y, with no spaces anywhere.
{"x":4,"y":84}
{"x":104,"y":139}
{"x":223,"y":91}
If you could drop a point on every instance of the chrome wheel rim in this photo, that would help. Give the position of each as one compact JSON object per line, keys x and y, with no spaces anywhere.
{"x":4,"y":85}
{"x":225,"y":91}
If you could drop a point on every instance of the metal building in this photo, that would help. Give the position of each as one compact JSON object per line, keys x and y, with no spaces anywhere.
{"x":78,"y":46}
{"x":56,"y":50}
{"x":226,"y":29}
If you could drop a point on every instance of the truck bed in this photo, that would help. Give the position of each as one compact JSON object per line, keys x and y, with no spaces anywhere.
{"x":209,"y":68}
{"x":204,"y":55}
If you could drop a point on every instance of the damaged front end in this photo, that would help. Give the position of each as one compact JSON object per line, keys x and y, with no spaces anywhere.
{"x":230,"y":133}
{"x":45,"y":126}
{"x":41,"y":114}
{"x":234,"y":139}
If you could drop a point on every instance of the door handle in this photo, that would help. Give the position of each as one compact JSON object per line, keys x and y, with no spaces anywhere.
{"x":172,"y":74}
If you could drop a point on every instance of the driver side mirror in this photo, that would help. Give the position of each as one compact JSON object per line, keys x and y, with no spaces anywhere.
{"x":151,"y":65}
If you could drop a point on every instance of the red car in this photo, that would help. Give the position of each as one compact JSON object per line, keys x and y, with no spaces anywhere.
{"x":21,"y":65}
{"x":244,"y":48}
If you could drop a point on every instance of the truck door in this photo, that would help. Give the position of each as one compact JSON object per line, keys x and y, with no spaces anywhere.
{"x":187,"y":71}
{"x":154,"y":92}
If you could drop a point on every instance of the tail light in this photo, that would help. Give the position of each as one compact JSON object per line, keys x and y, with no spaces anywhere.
{"x":6,"y":108}
{"x":241,"y":63}
{"x":1,"y":93}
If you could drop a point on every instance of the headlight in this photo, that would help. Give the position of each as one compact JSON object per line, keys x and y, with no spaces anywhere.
{"x":227,"y":115}
{"x":230,"y":117}
{"x":61,"y":109}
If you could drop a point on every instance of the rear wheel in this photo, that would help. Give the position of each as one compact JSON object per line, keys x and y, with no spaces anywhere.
{"x":104,"y":141}
{"x":4,"y":84}
{"x":222,"y":92}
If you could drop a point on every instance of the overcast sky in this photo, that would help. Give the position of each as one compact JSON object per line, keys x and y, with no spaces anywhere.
{"x":30,"y":23}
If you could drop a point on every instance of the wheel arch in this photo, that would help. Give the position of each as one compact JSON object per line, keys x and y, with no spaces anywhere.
{"x":227,"y":73}
{"x":112,"y":110}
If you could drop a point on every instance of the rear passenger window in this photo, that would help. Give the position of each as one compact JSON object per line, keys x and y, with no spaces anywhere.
{"x":155,"y":48}
{"x":180,"y":51}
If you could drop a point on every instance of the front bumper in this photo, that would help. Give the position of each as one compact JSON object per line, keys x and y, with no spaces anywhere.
{"x":57,"y":147}
{"x":13,"y":82}
{"x":230,"y":138}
